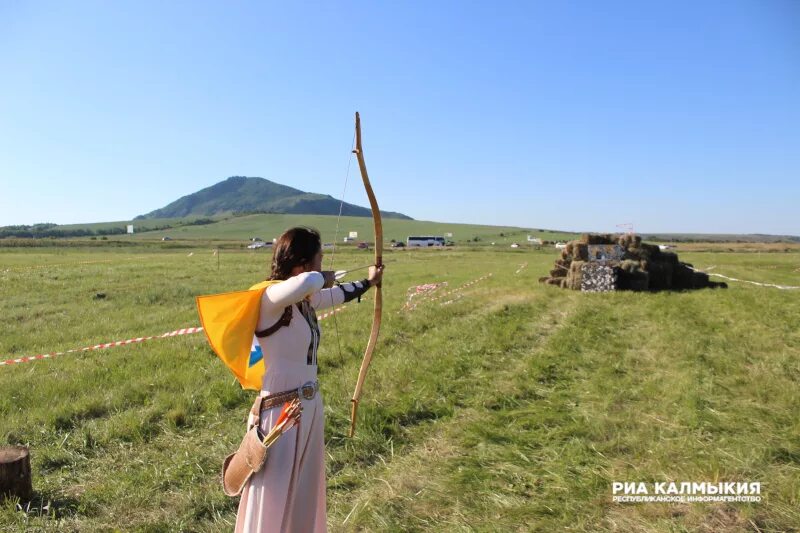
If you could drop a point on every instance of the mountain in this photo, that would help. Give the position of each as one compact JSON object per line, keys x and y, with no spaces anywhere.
{"x":239,"y":194}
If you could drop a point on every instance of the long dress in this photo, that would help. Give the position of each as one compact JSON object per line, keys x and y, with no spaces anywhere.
{"x":288,"y":493}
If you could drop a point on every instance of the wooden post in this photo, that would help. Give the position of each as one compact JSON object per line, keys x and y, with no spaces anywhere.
{"x":15,"y":473}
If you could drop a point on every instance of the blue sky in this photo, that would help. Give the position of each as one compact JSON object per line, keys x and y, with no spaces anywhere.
{"x":673,"y":116}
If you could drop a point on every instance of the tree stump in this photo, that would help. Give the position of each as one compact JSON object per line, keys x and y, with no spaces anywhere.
{"x":15,"y":473}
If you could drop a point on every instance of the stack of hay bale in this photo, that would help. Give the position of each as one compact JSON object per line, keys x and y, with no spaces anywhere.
{"x":596,"y":263}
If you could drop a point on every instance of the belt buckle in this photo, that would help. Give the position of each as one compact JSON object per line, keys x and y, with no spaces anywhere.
{"x":307,"y":391}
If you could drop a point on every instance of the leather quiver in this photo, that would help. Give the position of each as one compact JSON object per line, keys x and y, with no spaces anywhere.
{"x":239,"y":466}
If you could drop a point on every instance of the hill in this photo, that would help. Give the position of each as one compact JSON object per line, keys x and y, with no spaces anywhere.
{"x":240,"y":194}
{"x":720,"y":237}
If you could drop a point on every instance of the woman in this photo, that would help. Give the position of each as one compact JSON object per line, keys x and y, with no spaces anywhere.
{"x":288,"y":493}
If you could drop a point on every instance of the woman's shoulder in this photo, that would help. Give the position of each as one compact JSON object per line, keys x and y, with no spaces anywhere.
{"x":295,"y":288}
{"x":315,"y":279}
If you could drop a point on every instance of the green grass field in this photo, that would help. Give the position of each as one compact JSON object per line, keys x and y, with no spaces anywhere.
{"x":512,"y":408}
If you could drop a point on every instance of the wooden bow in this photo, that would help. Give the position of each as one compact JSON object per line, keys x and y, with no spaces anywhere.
{"x":376,"y":318}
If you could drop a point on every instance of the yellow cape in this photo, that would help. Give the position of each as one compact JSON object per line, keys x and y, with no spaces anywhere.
{"x":229,"y":321}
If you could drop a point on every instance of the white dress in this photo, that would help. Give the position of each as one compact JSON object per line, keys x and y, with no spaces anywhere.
{"x":288,"y":494}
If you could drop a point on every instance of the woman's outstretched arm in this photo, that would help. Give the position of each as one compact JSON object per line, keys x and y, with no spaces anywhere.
{"x":345,"y":292}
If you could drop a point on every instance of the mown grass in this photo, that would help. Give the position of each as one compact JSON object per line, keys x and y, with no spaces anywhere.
{"x":511,"y":409}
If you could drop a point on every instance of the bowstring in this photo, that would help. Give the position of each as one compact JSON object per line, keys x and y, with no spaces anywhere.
{"x":333,"y":253}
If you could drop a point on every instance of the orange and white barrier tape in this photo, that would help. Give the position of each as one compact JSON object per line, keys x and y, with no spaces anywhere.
{"x":177,"y":332}
{"x":462,"y":287}
{"x":183,"y":331}
{"x":329,"y":314}
{"x":338,"y":310}
{"x":420,"y":292}
{"x":783,"y":287}
{"x":76,"y":263}
{"x":457,"y":297}
{"x":428,"y":298}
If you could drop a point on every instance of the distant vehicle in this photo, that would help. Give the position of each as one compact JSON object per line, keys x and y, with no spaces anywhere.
{"x":514,"y":245}
{"x":424,"y":241}
{"x":348,"y":239}
{"x":363,"y":246}
{"x":561,"y":245}
{"x":257,"y":244}
{"x":327,"y":246}
{"x":397,"y":244}
{"x":166,"y":238}
{"x":663,"y":247}
{"x":256,"y":239}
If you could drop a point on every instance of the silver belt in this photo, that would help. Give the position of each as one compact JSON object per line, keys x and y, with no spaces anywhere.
{"x":306,"y":391}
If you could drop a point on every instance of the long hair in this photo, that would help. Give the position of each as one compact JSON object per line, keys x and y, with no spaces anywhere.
{"x":295,"y":247}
